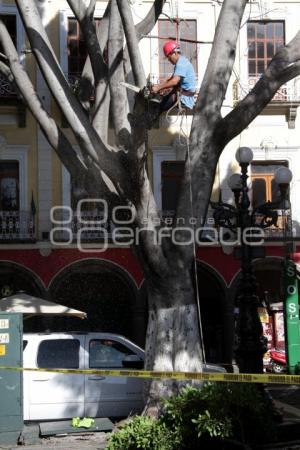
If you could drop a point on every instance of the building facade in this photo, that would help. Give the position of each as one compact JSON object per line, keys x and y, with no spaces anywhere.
{"x":108,"y":283}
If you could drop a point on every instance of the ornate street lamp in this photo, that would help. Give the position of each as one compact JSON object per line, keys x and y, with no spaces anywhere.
{"x":251,"y":346}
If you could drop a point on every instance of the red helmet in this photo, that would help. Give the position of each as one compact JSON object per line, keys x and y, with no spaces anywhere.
{"x":170,"y":46}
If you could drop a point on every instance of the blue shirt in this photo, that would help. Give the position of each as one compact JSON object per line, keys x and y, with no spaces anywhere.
{"x":184,"y":70}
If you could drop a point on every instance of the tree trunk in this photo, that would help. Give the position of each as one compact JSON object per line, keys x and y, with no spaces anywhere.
{"x":173,"y":341}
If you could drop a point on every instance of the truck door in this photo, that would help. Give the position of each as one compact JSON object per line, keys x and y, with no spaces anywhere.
{"x":56,"y":395}
{"x":108,"y":396}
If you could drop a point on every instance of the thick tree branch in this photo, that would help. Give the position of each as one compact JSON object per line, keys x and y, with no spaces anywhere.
{"x":102,"y":36}
{"x":147,"y":24}
{"x":86,"y":136}
{"x":101,"y":117}
{"x":204,"y":147}
{"x":284,"y":66}
{"x":292,"y":49}
{"x":152,"y":255}
{"x":221,"y":60}
{"x":87,"y":25}
{"x":91,"y":8}
{"x":290,"y":73}
{"x":203,"y":152}
{"x":144,"y":27}
{"x":54,"y":77}
{"x":53,"y":133}
{"x":102,"y":91}
{"x":6,"y":72}
{"x":151,"y":251}
{"x":102,"y":31}
{"x":119,"y":102}
{"x":132,"y":43}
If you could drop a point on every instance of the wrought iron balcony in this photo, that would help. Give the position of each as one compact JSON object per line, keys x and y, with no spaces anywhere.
{"x":285,"y":101}
{"x":17,"y":226}
{"x":7,"y":90}
{"x":86,"y":228}
{"x":89,"y":227}
{"x":289,"y":92}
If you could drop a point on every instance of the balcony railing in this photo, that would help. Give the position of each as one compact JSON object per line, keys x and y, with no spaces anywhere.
{"x":89,"y":226}
{"x":7,"y":90}
{"x":289,"y":92}
{"x":86,"y":228}
{"x":17,"y":226}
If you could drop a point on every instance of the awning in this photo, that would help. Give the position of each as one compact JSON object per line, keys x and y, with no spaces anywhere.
{"x":35,"y":306}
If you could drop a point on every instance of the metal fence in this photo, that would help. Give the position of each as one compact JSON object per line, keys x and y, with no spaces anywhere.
{"x":289,"y":92}
{"x":17,"y":225}
{"x":7,"y":90}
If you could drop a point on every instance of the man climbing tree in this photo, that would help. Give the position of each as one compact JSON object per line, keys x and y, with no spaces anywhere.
{"x":117,"y":170}
{"x":182,"y":82}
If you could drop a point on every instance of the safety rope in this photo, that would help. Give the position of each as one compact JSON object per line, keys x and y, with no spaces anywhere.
{"x":176,"y":104}
{"x":194,"y":243}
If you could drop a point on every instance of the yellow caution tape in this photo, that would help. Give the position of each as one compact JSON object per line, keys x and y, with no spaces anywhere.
{"x":203,"y":376}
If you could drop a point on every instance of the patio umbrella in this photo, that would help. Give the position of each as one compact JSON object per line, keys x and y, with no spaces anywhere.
{"x":35,"y":306}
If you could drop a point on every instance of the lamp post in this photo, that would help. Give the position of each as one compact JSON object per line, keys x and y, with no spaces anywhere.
{"x":251,"y":347}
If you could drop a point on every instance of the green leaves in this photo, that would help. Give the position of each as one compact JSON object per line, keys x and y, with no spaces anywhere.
{"x":143,"y":433}
{"x":194,"y":417}
{"x":211,"y":425}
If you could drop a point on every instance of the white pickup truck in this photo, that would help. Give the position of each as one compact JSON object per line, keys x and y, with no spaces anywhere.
{"x":54,"y":396}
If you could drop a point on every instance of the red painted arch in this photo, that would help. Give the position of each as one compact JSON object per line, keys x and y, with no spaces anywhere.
{"x":47,"y":267}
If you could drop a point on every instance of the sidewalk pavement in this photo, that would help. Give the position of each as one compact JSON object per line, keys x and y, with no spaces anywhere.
{"x":82,"y":441}
{"x":287,"y":400}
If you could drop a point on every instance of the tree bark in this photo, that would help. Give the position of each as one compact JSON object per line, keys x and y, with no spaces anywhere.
{"x":132,"y":44}
{"x":173,"y":341}
{"x":118,"y":94}
{"x":86,"y":136}
{"x":53,"y":133}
